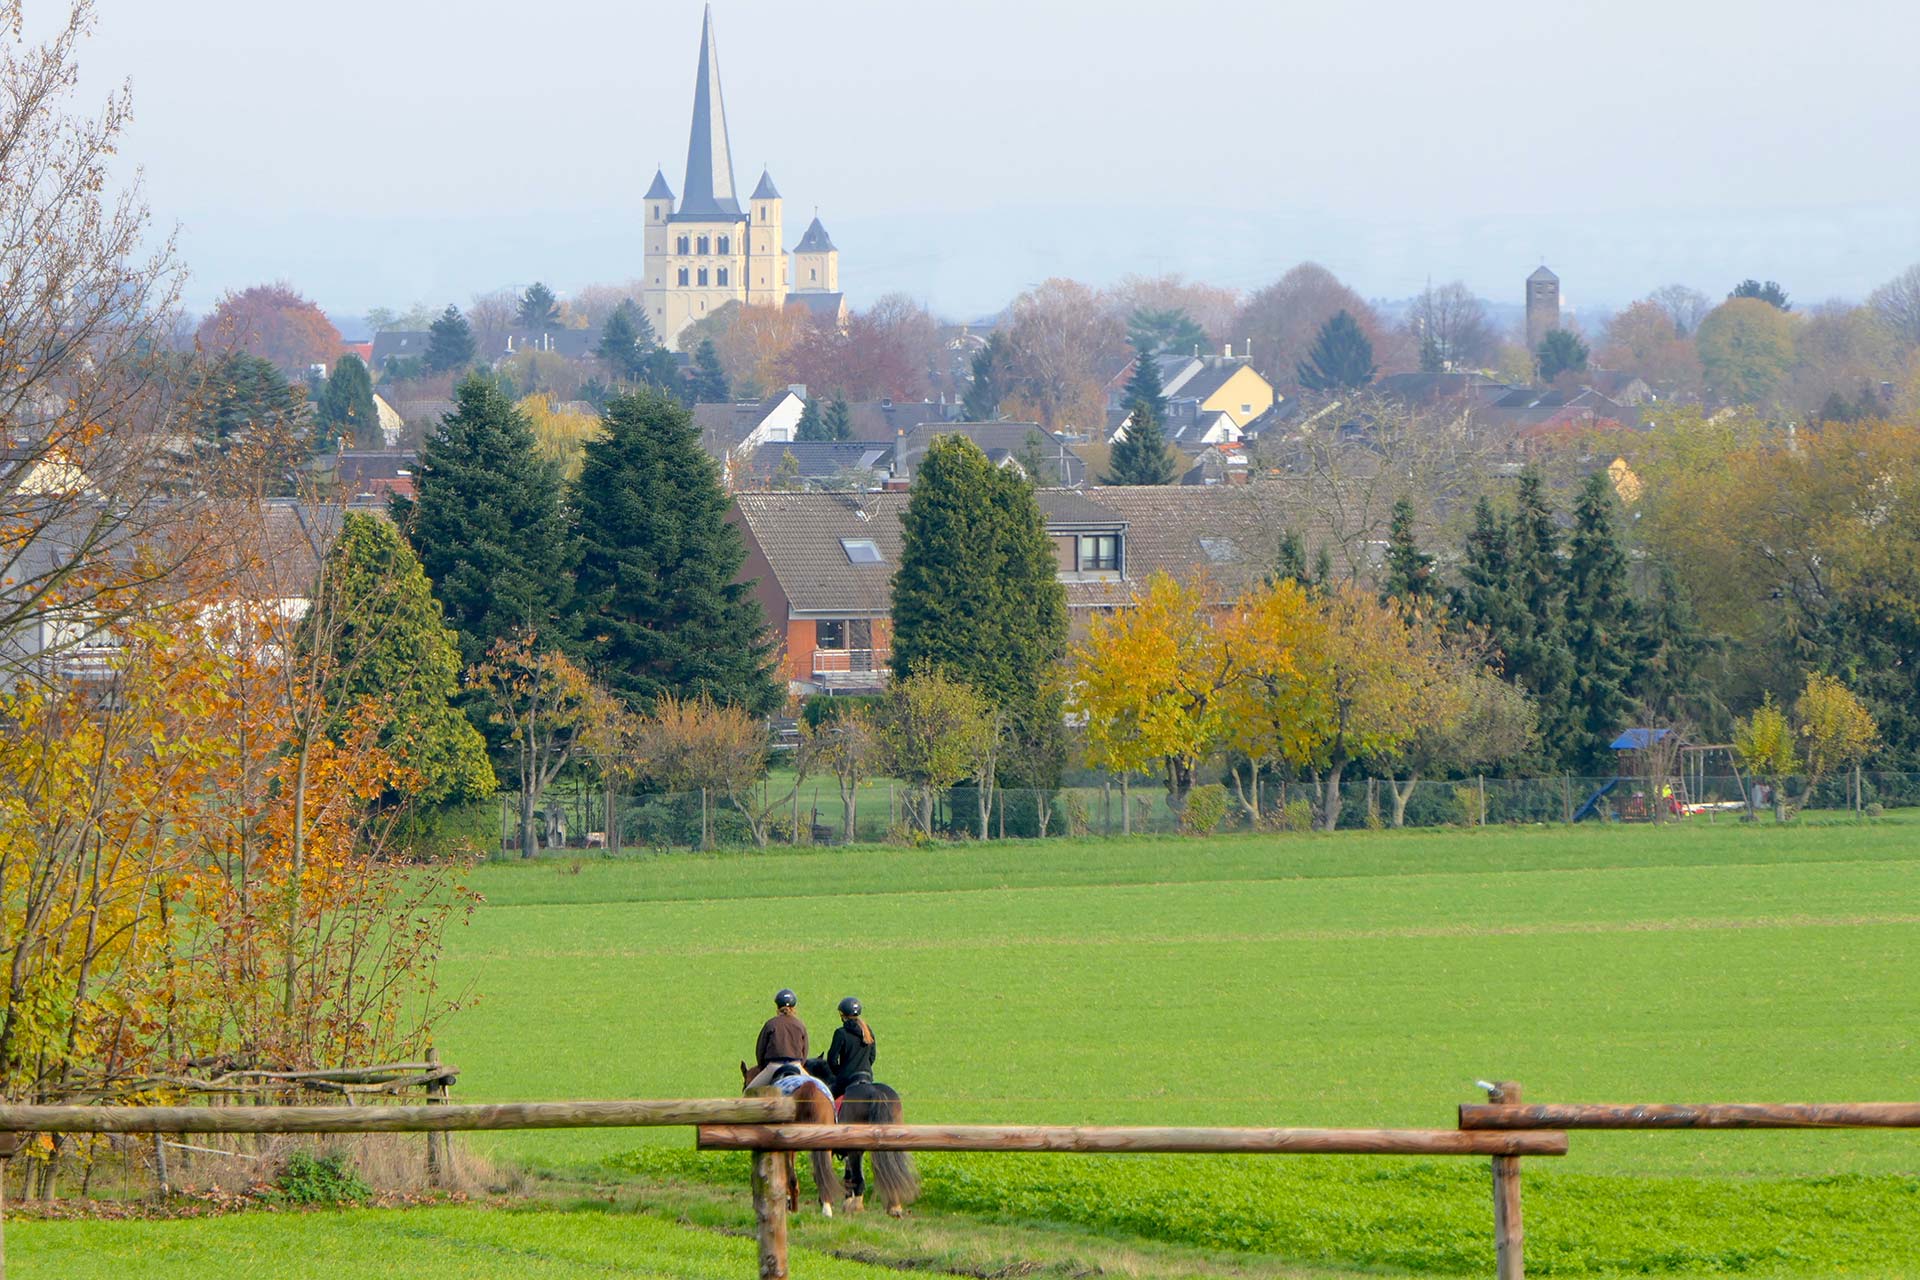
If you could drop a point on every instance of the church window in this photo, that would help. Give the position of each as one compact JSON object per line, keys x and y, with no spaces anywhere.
{"x":763,"y":213}
{"x":703,"y":243}
{"x":681,"y":247}
{"x":683,"y":275}
{"x":812,"y":274}
{"x":703,"y":275}
{"x":726,"y":244}
{"x":722,"y":276}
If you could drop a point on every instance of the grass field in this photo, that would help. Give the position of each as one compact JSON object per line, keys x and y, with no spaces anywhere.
{"x":1365,"y":979}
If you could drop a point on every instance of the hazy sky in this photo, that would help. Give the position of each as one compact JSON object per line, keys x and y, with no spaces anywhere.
{"x":383,"y":153}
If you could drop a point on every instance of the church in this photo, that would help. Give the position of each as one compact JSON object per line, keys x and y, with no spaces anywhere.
{"x":703,"y":250}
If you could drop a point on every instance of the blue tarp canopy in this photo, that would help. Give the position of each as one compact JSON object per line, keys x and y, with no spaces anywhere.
{"x":1640,"y":739}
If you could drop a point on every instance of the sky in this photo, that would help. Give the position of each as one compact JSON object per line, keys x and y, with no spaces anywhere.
{"x":427,"y":150}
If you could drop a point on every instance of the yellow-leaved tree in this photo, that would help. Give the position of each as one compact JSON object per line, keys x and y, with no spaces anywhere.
{"x":1830,"y":730}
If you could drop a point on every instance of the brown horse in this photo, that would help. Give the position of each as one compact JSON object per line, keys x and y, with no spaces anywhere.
{"x":816,"y":1107}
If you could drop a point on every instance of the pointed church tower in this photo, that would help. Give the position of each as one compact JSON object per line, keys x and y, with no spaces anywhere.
{"x":708,"y":191}
{"x":766,"y":258}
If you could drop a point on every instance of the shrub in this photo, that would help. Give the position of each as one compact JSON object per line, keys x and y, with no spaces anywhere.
{"x":1206,"y":806}
{"x":303,"y":1179}
{"x":1074,"y":810}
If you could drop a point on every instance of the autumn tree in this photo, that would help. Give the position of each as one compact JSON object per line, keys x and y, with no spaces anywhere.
{"x":543,"y":704}
{"x":1340,"y":359}
{"x":1060,"y":344}
{"x":1284,"y":319}
{"x":1449,"y":326}
{"x":450,"y":348}
{"x":697,"y":744}
{"x":491,"y":318}
{"x":1643,"y":339}
{"x":660,"y":606}
{"x":1897,"y":305}
{"x":274,"y":322}
{"x":933,"y":729}
{"x":1163,"y":300}
{"x":1684,"y":306}
{"x":560,"y":432}
{"x":487,"y":523}
{"x":846,"y":744}
{"x":346,"y":404}
{"x":1770,"y":293}
{"x":1746,"y":350}
{"x":1275,"y":709}
{"x":1476,"y":721}
{"x":538,"y":308}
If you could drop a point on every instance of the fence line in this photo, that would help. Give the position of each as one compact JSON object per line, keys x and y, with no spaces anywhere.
{"x":1095,"y":1139}
{"x":474,"y":1116}
{"x":1485,"y":1117}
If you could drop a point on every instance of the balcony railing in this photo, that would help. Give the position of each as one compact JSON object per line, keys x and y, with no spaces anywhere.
{"x":845,"y":663}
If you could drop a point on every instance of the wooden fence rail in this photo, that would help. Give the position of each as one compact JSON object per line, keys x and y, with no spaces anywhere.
{"x":1718,"y":1115}
{"x":425,"y":1119}
{"x":1096,"y":1139}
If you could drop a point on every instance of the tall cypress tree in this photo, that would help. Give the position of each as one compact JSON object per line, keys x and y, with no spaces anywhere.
{"x":709,"y":379}
{"x":449,"y":342}
{"x":486,"y":522}
{"x":1144,"y":385}
{"x":977,"y":595}
{"x":1409,"y":576}
{"x":1142,"y":457}
{"x":982,"y":402}
{"x":1601,"y":627}
{"x":1340,"y":359}
{"x":661,"y":610}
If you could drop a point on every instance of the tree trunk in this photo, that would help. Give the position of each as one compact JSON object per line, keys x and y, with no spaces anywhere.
{"x":1400,"y":798}
{"x":1126,"y":808}
{"x":1330,"y":796}
{"x":526,"y":822}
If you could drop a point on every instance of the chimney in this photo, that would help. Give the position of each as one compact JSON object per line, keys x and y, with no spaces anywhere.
{"x":1226,"y":351}
{"x":798,"y":388}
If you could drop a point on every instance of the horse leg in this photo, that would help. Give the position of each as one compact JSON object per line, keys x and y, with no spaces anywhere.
{"x":793,"y":1183}
{"x":856,"y":1182}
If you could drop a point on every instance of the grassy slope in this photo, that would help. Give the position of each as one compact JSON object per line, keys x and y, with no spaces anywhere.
{"x":1363,"y":979}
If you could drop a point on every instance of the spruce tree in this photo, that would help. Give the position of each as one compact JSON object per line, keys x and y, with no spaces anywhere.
{"x":1142,"y":457}
{"x":449,"y":342}
{"x":1484,"y":597}
{"x":836,"y":420}
{"x":977,"y":595}
{"x":1290,"y":559}
{"x":1678,"y":658}
{"x":1561,"y":351}
{"x":346,"y":404}
{"x":984,"y":394}
{"x":393,"y":652}
{"x":809,"y":427}
{"x":1409,"y":576}
{"x":660,"y":608}
{"x":1601,"y":627}
{"x":619,"y":343}
{"x":1341,"y":358}
{"x":244,"y":395}
{"x":1144,"y":386}
{"x":487,"y":523}
{"x":539,"y":309}
{"x":709,"y":379}
{"x":1536,"y":644}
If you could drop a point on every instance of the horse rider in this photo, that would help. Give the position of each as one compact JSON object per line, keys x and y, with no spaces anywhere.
{"x":850,"y":1058}
{"x":782,"y":1042}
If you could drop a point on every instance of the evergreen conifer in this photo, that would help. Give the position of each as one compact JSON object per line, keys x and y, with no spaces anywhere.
{"x":1409,"y":570}
{"x":1536,"y":643}
{"x":1142,"y":457}
{"x":539,"y":309}
{"x":1144,"y":385}
{"x":1341,"y":358}
{"x":836,"y":421}
{"x":619,"y":343}
{"x":487,"y":523}
{"x":982,"y":402}
{"x":1601,"y":628}
{"x":661,"y":608}
{"x":346,"y":404}
{"x":449,"y":342}
{"x":1561,"y":351}
{"x":709,"y":379}
{"x":809,"y":427}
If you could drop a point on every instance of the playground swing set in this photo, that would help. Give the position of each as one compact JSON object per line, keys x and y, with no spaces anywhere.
{"x":1667,"y":779}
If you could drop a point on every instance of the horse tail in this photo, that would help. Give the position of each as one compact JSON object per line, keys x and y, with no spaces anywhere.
{"x":816,"y":1107}
{"x":893,"y":1172}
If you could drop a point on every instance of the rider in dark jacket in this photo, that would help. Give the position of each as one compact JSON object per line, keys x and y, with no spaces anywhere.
{"x":782,"y":1041}
{"x":850,"y":1058}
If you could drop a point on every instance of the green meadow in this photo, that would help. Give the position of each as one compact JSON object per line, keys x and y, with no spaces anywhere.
{"x":1360,"y":979}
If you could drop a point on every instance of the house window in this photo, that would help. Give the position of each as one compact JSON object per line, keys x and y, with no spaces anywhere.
{"x":861,"y":550}
{"x":683,"y":275}
{"x":680,"y":245}
{"x":1099,"y":552}
{"x":703,"y":275}
{"x":1246,"y":408}
{"x":701,"y":244}
{"x":721,"y":276}
{"x":726,"y":244}
{"x":831,"y":634}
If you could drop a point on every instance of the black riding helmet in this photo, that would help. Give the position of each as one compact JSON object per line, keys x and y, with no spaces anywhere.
{"x":785,"y":999}
{"x":850,"y":1008}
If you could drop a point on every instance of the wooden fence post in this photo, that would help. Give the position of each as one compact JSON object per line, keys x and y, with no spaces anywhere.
{"x":1509,"y":1235}
{"x":437,"y":1143}
{"x":1483,"y":799}
{"x":770,"y":1212}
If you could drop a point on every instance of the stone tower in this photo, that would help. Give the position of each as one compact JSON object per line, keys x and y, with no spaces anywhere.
{"x":816,"y":263}
{"x":1543,"y":306}
{"x":766,"y":261}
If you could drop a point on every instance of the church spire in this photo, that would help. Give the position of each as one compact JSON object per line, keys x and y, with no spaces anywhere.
{"x":709,"y":186}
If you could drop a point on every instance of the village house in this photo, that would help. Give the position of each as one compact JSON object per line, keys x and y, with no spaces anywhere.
{"x":1210,"y":399}
{"x":822,"y":564}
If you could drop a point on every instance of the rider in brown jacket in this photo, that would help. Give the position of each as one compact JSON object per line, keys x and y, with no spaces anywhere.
{"x":783,"y":1039}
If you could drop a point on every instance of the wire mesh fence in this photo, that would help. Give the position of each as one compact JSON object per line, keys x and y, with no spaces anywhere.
{"x":819,"y":812}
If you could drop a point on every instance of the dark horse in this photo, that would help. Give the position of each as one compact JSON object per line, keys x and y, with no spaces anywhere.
{"x":866,"y":1102}
{"x":816,"y":1107}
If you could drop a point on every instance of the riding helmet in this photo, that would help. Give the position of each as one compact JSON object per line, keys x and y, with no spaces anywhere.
{"x":785,"y":999}
{"x":850,"y":1008}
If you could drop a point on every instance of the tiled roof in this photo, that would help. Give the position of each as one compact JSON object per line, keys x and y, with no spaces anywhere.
{"x":765,"y":190}
{"x":823,"y":305}
{"x":800,"y":533}
{"x":822,"y":459}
